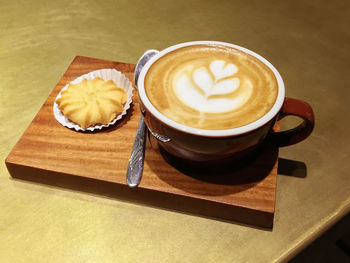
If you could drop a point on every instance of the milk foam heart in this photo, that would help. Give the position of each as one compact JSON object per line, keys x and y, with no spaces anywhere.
{"x":220,"y":70}
{"x":197,"y":90}
{"x":211,"y":87}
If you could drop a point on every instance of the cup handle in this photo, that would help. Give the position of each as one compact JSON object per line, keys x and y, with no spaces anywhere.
{"x":297,"y":108}
{"x":142,"y":62}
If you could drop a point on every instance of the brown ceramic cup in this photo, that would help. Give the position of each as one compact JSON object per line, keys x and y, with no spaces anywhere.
{"x":199,"y":145}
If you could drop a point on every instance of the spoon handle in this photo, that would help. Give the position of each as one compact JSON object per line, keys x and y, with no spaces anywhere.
{"x":137,"y":157}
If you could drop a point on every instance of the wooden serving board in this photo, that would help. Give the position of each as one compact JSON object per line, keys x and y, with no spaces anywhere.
{"x":96,"y":162}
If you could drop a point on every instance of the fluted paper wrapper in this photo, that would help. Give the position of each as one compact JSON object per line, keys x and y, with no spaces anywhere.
{"x":120,"y":81}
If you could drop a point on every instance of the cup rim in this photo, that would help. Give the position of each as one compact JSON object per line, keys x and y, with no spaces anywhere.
{"x":212,"y":133}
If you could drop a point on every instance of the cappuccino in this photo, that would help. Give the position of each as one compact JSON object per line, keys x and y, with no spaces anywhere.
{"x":211,"y":86}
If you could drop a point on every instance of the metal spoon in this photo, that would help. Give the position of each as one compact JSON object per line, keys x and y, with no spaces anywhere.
{"x":137,"y":157}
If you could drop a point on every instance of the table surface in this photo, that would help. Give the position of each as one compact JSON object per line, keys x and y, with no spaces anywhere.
{"x":308,"y":42}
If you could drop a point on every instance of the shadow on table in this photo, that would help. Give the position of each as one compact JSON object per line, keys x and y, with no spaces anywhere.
{"x":244,"y":171}
{"x":292,"y":168}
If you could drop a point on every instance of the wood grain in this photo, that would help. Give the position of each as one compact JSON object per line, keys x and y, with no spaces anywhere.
{"x":49,"y":153}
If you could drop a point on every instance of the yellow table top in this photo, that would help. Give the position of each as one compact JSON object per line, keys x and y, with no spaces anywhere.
{"x":307,"y":42}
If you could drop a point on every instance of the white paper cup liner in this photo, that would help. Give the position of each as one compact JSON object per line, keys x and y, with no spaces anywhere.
{"x":120,"y":81}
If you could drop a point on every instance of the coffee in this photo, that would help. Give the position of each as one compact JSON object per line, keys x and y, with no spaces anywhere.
{"x":211,"y":86}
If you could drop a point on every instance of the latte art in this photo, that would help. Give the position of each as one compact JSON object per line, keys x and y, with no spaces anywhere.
{"x":211,"y":87}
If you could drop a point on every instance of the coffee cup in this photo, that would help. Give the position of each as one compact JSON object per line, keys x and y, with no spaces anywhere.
{"x":206,"y":101}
